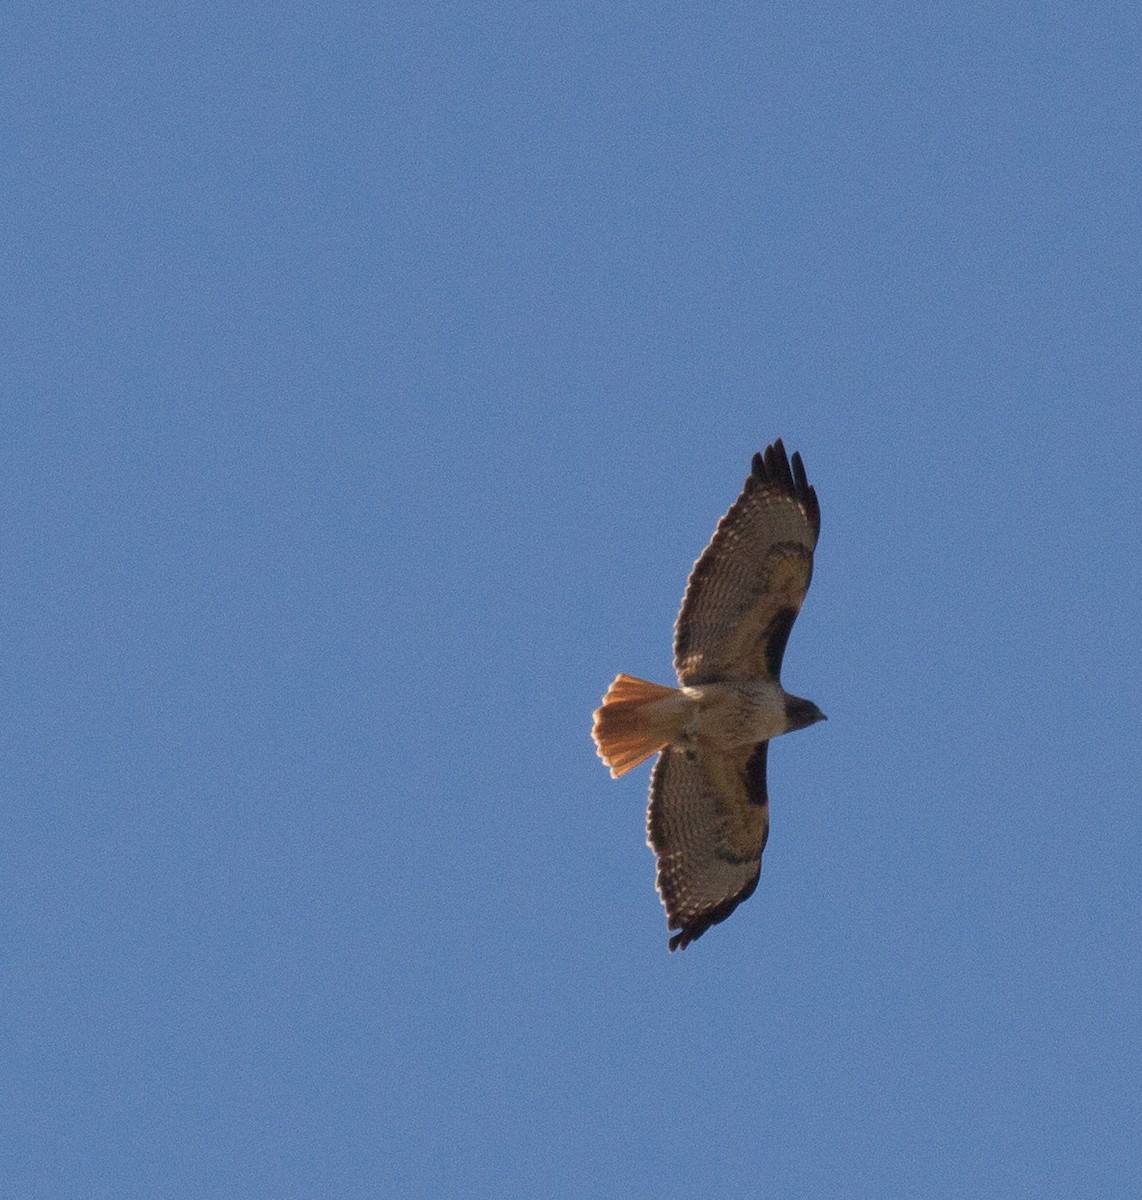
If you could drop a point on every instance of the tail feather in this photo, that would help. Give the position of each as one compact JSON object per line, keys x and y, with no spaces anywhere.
{"x":635,"y":720}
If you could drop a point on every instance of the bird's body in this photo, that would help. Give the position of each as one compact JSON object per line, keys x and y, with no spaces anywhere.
{"x":728,"y":716}
{"x":708,"y":818}
{"x":714,"y":717}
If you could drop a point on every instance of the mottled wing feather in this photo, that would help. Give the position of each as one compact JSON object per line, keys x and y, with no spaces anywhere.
{"x":707,"y":823}
{"x":748,"y":584}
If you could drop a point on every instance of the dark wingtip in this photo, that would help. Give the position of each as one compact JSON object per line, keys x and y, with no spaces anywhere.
{"x":690,"y":934}
{"x":772,"y":466}
{"x":781,"y":471}
{"x":775,"y":468}
{"x":694,"y":929}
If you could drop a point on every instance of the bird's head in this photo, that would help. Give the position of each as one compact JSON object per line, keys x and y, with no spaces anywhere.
{"x":800,"y":713}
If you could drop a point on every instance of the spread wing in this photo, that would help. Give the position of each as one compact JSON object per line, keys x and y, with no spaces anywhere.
{"x":747,"y":587}
{"x":707,"y":823}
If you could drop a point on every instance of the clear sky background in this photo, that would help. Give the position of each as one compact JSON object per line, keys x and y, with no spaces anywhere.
{"x":372,"y":376}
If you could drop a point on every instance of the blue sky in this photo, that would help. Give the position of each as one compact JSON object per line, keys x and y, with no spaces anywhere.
{"x":372,"y":377}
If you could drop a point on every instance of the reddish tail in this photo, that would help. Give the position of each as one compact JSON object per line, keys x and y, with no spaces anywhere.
{"x":636,"y":720}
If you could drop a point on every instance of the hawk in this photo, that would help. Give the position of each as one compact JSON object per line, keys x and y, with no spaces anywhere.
{"x":708,"y":817}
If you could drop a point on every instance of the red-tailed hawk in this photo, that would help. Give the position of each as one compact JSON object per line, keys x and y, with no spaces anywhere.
{"x":709,"y":810}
